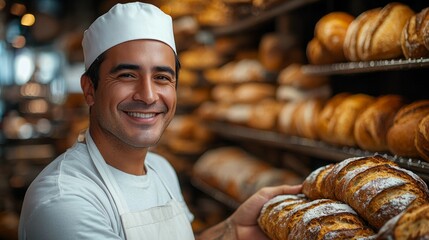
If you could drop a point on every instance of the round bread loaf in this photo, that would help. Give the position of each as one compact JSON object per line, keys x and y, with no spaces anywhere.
{"x":372,"y":125}
{"x":293,"y":76}
{"x":356,"y":33}
{"x":305,"y":116}
{"x":331,"y":31}
{"x":401,"y":136}
{"x":344,"y":118}
{"x":324,"y":124}
{"x":422,"y":138}
{"x":383,"y":40}
{"x":412,"y":38}
{"x":286,"y":121}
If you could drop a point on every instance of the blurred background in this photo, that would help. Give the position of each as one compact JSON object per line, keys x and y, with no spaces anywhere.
{"x":223,"y":45}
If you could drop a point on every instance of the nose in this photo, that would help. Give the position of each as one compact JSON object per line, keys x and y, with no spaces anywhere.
{"x":145,"y":91}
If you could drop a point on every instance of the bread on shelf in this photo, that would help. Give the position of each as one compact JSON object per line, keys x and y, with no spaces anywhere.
{"x":293,"y":76}
{"x":421,"y":140}
{"x":372,"y":125}
{"x":415,"y":34}
{"x":375,"y":187}
{"x":401,"y":136}
{"x":327,"y":45}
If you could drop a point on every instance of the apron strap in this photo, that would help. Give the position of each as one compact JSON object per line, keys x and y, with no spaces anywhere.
{"x":106,"y":174}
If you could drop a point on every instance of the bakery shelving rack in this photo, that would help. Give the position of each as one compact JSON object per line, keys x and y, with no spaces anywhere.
{"x":309,"y":147}
{"x":366,"y":67}
{"x":260,"y":17}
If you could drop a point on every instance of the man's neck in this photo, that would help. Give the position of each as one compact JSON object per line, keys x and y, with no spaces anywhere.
{"x":119,"y":155}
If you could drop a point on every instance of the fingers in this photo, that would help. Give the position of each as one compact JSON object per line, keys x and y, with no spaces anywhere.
{"x":271,"y":192}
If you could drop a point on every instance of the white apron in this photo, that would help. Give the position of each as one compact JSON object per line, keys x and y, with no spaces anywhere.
{"x":164,"y":222}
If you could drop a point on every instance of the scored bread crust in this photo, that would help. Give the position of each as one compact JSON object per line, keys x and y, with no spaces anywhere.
{"x":376,"y":188}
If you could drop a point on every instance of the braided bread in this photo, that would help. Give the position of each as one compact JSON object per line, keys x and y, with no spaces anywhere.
{"x":295,"y":217}
{"x":376,"y":188}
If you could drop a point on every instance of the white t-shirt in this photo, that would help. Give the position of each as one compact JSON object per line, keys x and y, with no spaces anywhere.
{"x":68,"y":200}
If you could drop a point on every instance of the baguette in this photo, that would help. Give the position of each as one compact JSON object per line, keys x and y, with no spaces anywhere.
{"x":376,"y":188}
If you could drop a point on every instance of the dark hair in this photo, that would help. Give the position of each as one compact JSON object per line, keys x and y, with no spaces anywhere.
{"x":93,"y":72}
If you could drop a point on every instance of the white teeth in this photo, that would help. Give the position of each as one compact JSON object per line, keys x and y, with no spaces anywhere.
{"x":141,"y":115}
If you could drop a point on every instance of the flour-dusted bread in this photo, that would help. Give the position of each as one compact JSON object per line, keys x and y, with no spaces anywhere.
{"x":375,"y":187}
{"x":290,"y":217}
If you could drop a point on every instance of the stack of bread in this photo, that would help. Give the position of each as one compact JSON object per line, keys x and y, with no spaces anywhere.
{"x":388,"y":32}
{"x":303,"y":97}
{"x":340,"y":199}
{"x":238,"y":173}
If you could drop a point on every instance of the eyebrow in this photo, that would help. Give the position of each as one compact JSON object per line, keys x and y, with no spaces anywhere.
{"x":120,"y":67}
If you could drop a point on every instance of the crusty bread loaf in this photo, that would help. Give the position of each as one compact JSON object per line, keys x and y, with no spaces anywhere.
{"x":413,"y":223}
{"x":372,"y":125}
{"x":293,"y":76}
{"x":383,"y":40}
{"x":289,"y":93}
{"x":343,"y":120}
{"x":401,"y":136}
{"x":238,"y":173}
{"x":318,"y":54}
{"x":305,"y":116}
{"x":324,"y":124}
{"x":286,"y":121}
{"x":356,"y":33}
{"x":421,"y":140}
{"x":264,"y":114}
{"x":412,"y":38}
{"x":290,"y":217}
{"x":331,"y":31}
{"x":376,"y":188}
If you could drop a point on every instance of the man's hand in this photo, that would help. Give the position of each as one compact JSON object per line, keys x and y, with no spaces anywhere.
{"x":243,"y":224}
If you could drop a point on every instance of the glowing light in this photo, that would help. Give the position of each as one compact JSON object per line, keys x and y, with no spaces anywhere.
{"x":28,"y":20}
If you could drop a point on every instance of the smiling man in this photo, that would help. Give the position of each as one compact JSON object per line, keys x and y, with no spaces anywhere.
{"x":108,"y":185}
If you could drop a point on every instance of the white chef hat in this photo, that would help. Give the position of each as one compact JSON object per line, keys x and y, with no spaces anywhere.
{"x":125,"y":22}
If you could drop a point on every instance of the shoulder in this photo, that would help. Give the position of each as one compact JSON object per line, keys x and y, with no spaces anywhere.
{"x":68,"y":215}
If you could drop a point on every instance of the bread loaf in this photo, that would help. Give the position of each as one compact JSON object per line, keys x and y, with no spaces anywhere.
{"x":401,"y":136}
{"x":343,"y":120}
{"x":331,"y":31}
{"x":305,"y":116}
{"x":376,"y":188}
{"x":413,"y":223}
{"x":357,"y":32}
{"x":238,"y":173}
{"x":383,"y":40}
{"x":264,"y":115}
{"x":293,"y":76}
{"x":421,"y":140}
{"x":289,"y":217}
{"x":324,"y":124}
{"x":372,"y":125}
{"x":413,"y":35}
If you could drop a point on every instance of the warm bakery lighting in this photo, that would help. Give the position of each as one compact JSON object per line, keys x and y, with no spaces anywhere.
{"x":19,"y":41}
{"x":31,"y":90}
{"x":2,"y":4}
{"x":37,"y":106}
{"x":18,"y":9}
{"x":28,"y":20}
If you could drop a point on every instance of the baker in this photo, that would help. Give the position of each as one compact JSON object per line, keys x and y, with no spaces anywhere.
{"x":108,"y":185}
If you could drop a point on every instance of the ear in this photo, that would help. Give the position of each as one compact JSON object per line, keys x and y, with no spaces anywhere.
{"x":88,"y":89}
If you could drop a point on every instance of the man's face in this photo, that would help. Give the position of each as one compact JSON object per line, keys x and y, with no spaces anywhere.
{"x":136,"y":96}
